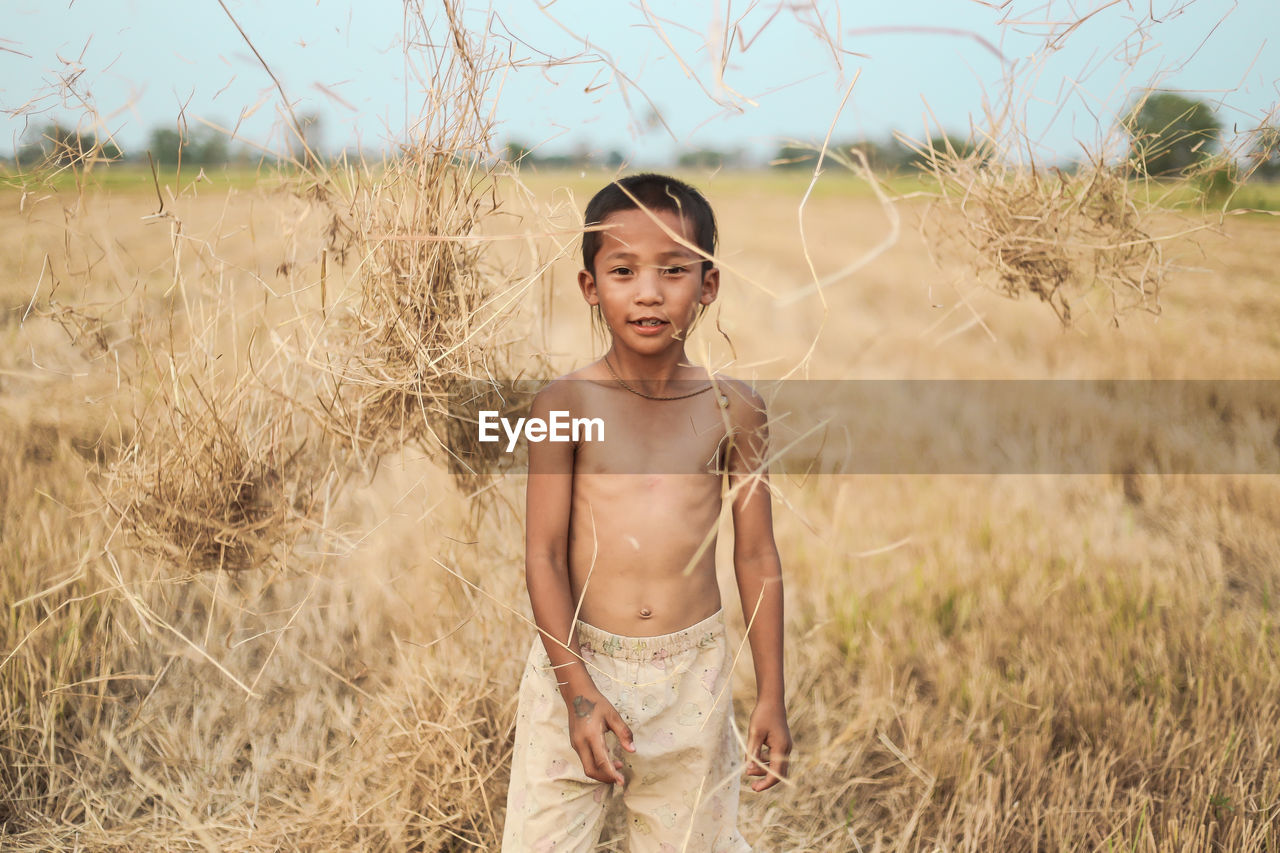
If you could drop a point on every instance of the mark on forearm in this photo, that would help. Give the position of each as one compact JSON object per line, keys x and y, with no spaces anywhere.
{"x":582,"y":706}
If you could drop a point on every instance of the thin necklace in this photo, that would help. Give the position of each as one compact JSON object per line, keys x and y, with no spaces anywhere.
{"x":639,"y":393}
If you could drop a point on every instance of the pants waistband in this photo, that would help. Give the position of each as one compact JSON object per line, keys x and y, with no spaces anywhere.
{"x":703,"y":634}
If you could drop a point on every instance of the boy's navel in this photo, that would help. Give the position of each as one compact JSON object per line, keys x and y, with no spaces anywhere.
{"x":645,"y":613}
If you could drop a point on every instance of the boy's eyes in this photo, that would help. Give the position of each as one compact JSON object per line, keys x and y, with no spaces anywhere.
{"x":674,"y":270}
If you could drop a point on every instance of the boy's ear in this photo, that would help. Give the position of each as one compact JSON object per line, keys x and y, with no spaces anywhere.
{"x":587,"y":284}
{"x":710,"y":286}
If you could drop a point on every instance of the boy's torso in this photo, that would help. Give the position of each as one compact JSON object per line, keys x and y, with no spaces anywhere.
{"x":645,"y":510}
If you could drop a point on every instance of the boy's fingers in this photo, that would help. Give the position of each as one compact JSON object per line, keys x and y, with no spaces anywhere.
{"x":754,"y":767}
{"x":623,"y":731}
{"x":589,"y":770}
{"x":604,"y":764}
{"x":761,"y":784}
{"x":588,"y":764}
{"x":764,"y":784}
{"x":784,"y":764}
{"x":591,"y":762}
{"x":778,"y":764}
{"x":770,"y":774}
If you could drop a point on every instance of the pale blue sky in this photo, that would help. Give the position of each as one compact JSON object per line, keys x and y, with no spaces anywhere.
{"x":139,"y":61}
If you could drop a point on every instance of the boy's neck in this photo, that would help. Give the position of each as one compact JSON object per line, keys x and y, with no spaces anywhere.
{"x":653,"y":372}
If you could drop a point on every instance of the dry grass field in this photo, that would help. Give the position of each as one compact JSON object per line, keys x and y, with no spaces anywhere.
{"x":975,"y":663}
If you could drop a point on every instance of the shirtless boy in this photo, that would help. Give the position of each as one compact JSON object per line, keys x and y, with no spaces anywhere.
{"x":628,"y":689}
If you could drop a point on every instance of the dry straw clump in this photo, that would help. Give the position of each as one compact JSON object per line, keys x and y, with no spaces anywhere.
{"x":1052,"y":234}
{"x":427,"y":326}
{"x":216,"y":479}
{"x":416,"y":329}
{"x":229,"y":473}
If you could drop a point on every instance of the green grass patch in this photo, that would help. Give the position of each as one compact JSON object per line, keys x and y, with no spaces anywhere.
{"x":1193,"y":195}
{"x":1258,"y":195}
{"x":139,"y":178}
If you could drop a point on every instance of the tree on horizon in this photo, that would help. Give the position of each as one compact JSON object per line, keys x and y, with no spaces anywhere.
{"x":1170,"y":133}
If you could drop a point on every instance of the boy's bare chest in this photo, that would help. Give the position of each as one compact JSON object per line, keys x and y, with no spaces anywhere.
{"x":653,"y":436}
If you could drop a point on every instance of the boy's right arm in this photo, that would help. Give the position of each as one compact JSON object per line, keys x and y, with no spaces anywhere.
{"x":548,"y":499}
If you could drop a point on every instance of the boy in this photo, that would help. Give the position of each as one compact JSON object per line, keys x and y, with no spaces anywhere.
{"x":620,"y":559}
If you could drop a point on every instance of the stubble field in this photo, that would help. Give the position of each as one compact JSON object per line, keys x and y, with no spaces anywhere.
{"x":973,"y":663}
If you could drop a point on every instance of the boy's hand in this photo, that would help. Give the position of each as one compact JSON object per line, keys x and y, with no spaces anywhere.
{"x":768,"y":728}
{"x":590,"y":716}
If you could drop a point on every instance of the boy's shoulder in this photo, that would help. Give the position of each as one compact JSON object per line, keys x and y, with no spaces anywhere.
{"x":737,"y":389}
{"x":744,"y":404}
{"x":564,"y":391}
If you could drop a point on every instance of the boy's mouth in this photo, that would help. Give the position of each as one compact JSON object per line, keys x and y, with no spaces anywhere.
{"x":648,"y":322}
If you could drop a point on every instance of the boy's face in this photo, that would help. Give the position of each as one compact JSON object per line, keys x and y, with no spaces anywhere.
{"x":648,"y":285}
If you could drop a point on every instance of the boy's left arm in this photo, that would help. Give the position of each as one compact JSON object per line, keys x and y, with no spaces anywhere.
{"x":759,"y":574}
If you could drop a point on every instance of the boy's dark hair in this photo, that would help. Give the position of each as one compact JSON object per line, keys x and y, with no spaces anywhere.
{"x":653,"y":192}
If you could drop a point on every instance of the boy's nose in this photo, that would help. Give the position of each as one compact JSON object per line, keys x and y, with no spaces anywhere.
{"x":647,"y":290}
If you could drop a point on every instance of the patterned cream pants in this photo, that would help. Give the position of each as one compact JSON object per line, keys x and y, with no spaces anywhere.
{"x":681,"y":791}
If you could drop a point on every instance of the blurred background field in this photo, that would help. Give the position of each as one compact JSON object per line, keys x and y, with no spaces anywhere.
{"x":1260,"y":195}
{"x":974,"y":663}
{"x":247,"y":604}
